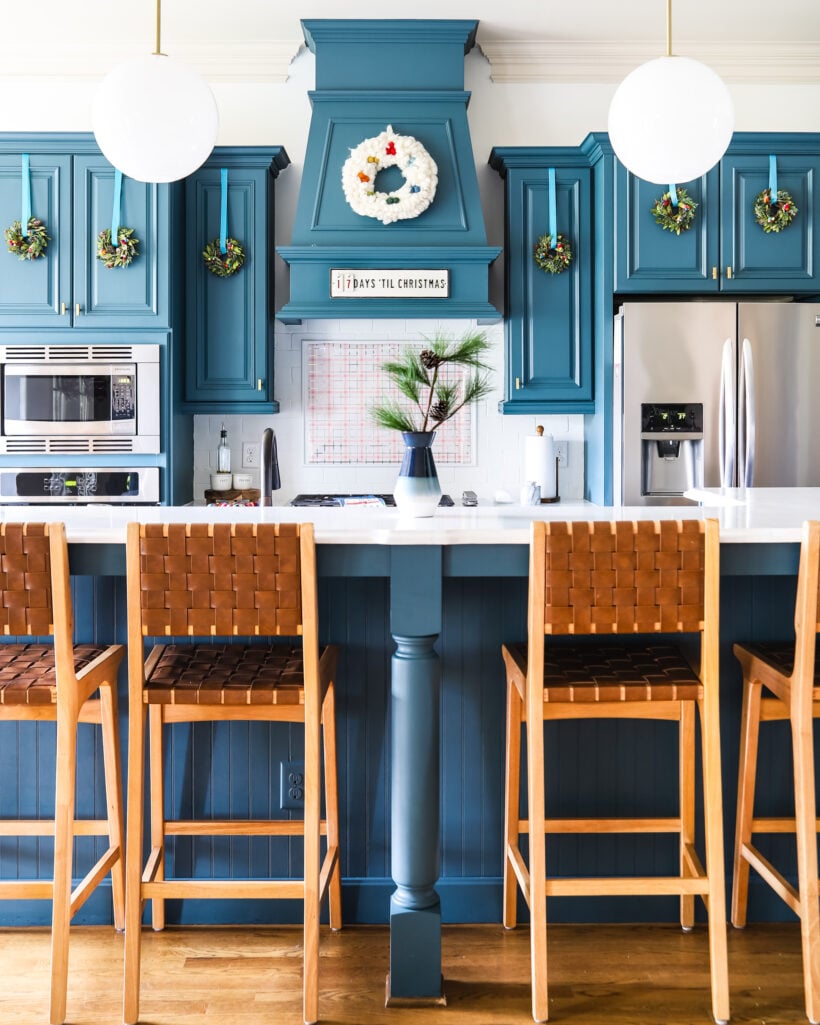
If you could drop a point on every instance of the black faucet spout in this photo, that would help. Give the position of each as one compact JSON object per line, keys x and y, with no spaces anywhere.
{"x":270,"y":467}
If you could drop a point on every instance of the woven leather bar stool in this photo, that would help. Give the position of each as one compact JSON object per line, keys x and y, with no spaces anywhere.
{"x":57,"y":682}
{"x":782,"y":681}
{"x":620,"y":578}
{"x":227,"y":580}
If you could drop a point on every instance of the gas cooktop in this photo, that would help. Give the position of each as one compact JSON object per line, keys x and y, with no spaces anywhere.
{"x":340,"y":501}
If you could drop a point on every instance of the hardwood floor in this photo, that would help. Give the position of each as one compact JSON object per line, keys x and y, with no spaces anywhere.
{"x":613,"y":974}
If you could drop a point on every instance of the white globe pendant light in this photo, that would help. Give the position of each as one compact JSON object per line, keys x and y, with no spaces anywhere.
{"x":671,"y":119}
{"x":154,"y":118}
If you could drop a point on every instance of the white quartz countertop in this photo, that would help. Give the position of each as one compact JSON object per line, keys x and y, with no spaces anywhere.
{"x":757,"y":515}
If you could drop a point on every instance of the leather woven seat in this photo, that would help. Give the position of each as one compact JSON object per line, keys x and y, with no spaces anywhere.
{"x":65,"y":684}
{"x":781,"y":680}
{"x":593,"y":581}
{"x":253,"y":581}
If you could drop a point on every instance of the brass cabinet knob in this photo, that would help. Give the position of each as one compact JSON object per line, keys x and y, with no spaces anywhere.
{"x":62,"y":309}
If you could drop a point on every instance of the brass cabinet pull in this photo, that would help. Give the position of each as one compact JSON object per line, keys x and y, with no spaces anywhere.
{"x":76,"y":309}
{"x":517,"y":383}
{"x":259,"y":384}
{"x":62,"y":309}
{"x":714,"y":274}
{"x":728,"y":272}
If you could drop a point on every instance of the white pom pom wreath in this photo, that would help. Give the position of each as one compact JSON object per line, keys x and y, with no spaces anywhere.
{"x":390,"y":150}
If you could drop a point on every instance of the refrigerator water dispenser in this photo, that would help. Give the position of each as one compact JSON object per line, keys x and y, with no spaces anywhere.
{"x":671,"y":448}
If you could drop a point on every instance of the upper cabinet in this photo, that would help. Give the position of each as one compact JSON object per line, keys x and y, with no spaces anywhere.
{"x":68,"y":286}
{"x":548,"y":316}
{"x":725,"y":249}
{"x":229,"y":320}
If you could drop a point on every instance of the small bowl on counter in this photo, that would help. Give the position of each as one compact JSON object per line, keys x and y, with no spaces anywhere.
{"x":242,"y":481}
{"x":221,"y":481}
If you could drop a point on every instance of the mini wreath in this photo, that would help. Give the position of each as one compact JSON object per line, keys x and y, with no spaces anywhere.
{"x":121,"y":254}
{"x":30,"y":246}
{"x":554,"y":259}
{"x":389,"y":150}
{"x":675,"y":218}
{"x":774,"y":217}
{"x":223,"y":264}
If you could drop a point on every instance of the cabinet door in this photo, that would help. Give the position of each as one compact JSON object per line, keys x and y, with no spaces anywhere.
{"x":549,"y":322}
{"x":32,"y":292}
{"x":782,"y":261}
{"x":228,"y":319}
{"x":132,"y":296}
{"x":651,"y":259}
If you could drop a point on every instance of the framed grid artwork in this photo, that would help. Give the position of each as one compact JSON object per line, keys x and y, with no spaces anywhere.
{"x":342,"y":381}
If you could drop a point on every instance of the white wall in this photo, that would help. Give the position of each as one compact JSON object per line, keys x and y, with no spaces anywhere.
{"x":499,"y":114}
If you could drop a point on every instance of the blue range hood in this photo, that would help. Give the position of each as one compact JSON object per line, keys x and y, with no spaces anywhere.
{"x":408,"y":75}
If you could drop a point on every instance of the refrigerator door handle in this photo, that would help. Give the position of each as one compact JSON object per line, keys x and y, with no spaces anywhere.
{"x":726,"y":417}
{"x":746,"y":417}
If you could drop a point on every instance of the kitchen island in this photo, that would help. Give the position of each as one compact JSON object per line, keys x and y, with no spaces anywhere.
{"x":420,"y":608}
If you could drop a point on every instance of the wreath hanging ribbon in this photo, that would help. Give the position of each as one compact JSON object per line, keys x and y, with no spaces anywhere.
{"x":777,"y":215}
{"x":223,"y":256}
{"x":32,"y":244}
{"x":675,"y":210}
{"x":552,"y":257}
{"x":121,"y":252}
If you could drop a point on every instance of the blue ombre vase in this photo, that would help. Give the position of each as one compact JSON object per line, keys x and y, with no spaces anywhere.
{"x":417,"y":491}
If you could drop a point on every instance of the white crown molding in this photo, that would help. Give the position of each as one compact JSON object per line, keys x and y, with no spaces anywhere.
{"x":515,"y":60}
{"x":265,"y":60}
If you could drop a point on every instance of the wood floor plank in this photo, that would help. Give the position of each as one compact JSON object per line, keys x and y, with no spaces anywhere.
{"x":600,"y":975}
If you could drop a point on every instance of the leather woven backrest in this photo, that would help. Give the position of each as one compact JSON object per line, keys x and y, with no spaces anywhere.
{"x":627,"y":577}
{"x":220,"y":579}
{"x":25,"y":580}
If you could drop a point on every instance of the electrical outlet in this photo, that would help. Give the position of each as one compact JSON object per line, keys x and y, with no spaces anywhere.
{"x":250,"y":455}
{"x":561,"y":453}
{"x":292,"y":785}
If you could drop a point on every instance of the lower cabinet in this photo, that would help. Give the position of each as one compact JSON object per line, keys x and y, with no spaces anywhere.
{"x":548,"y":316}
{"x":229,"y":320}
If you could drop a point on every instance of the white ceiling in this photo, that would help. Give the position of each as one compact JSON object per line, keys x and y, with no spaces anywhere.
{"x":88,"y":37}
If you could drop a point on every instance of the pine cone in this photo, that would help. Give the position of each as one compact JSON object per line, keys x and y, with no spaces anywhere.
{"x":439,"y":411}
{"x":429,"y":360}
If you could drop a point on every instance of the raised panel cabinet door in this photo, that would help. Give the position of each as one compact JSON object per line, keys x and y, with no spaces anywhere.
{"x":549,"y":323}
{"x":132,"y":296}
{"x":32,"y":292}
{"x":228,"y":320}
{"x":784,"y":261}
{"x":649,"y":258}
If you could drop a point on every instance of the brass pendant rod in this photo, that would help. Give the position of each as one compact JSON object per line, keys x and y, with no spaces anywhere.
{"x":668,"y":27}
{"x":159,"y":19}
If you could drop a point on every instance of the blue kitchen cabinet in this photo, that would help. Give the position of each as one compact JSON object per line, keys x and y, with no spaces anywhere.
{"x":229,"y":320}
{"x":548,"y":317}
{"x":72,"y":188}
{"x":725,"y":250}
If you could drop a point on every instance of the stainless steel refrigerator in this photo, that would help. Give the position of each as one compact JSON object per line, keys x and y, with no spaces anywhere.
{"x":714,"y":393}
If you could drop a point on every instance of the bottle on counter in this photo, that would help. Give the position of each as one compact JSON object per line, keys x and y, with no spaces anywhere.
{"x":223,"y":453}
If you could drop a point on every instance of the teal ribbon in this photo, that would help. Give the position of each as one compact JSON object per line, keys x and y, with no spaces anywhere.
{"x":773,"y":177}
{"x":551,"y":225}
{"x":223,"y":210}
{"x":25,"y":216}
{"x":673,"y":194}
{"x":115,"y":208}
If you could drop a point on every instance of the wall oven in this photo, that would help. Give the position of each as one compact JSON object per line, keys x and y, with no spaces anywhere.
{"x":73,"y":399}
{"x":114,"y":485}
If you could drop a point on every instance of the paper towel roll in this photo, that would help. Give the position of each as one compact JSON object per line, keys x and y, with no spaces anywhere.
{"x":539,"y":462}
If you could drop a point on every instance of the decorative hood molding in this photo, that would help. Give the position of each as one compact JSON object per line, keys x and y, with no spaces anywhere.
{"x":409,"y":76}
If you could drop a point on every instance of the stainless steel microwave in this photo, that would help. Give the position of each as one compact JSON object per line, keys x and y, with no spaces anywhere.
{"x":74,"y":399}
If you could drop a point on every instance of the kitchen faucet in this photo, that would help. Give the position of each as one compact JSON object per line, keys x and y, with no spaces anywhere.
{"x":270,"y":467}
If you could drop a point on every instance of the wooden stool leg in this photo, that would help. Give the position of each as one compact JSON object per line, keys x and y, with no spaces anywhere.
{"x":157,"y":775}
{"x":538,"y":868}
{"x":133,"y":864}
{"x":332,"y":805}
{"x":746,"y":777}
{"x":713,"y":829}
{"x":512,"y":794}
{"x":109,"y":721}
{"x":806,"y":827}
{"x":686,"y":783}
{"x":63,"y":861}
{"x":310,"y":979}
